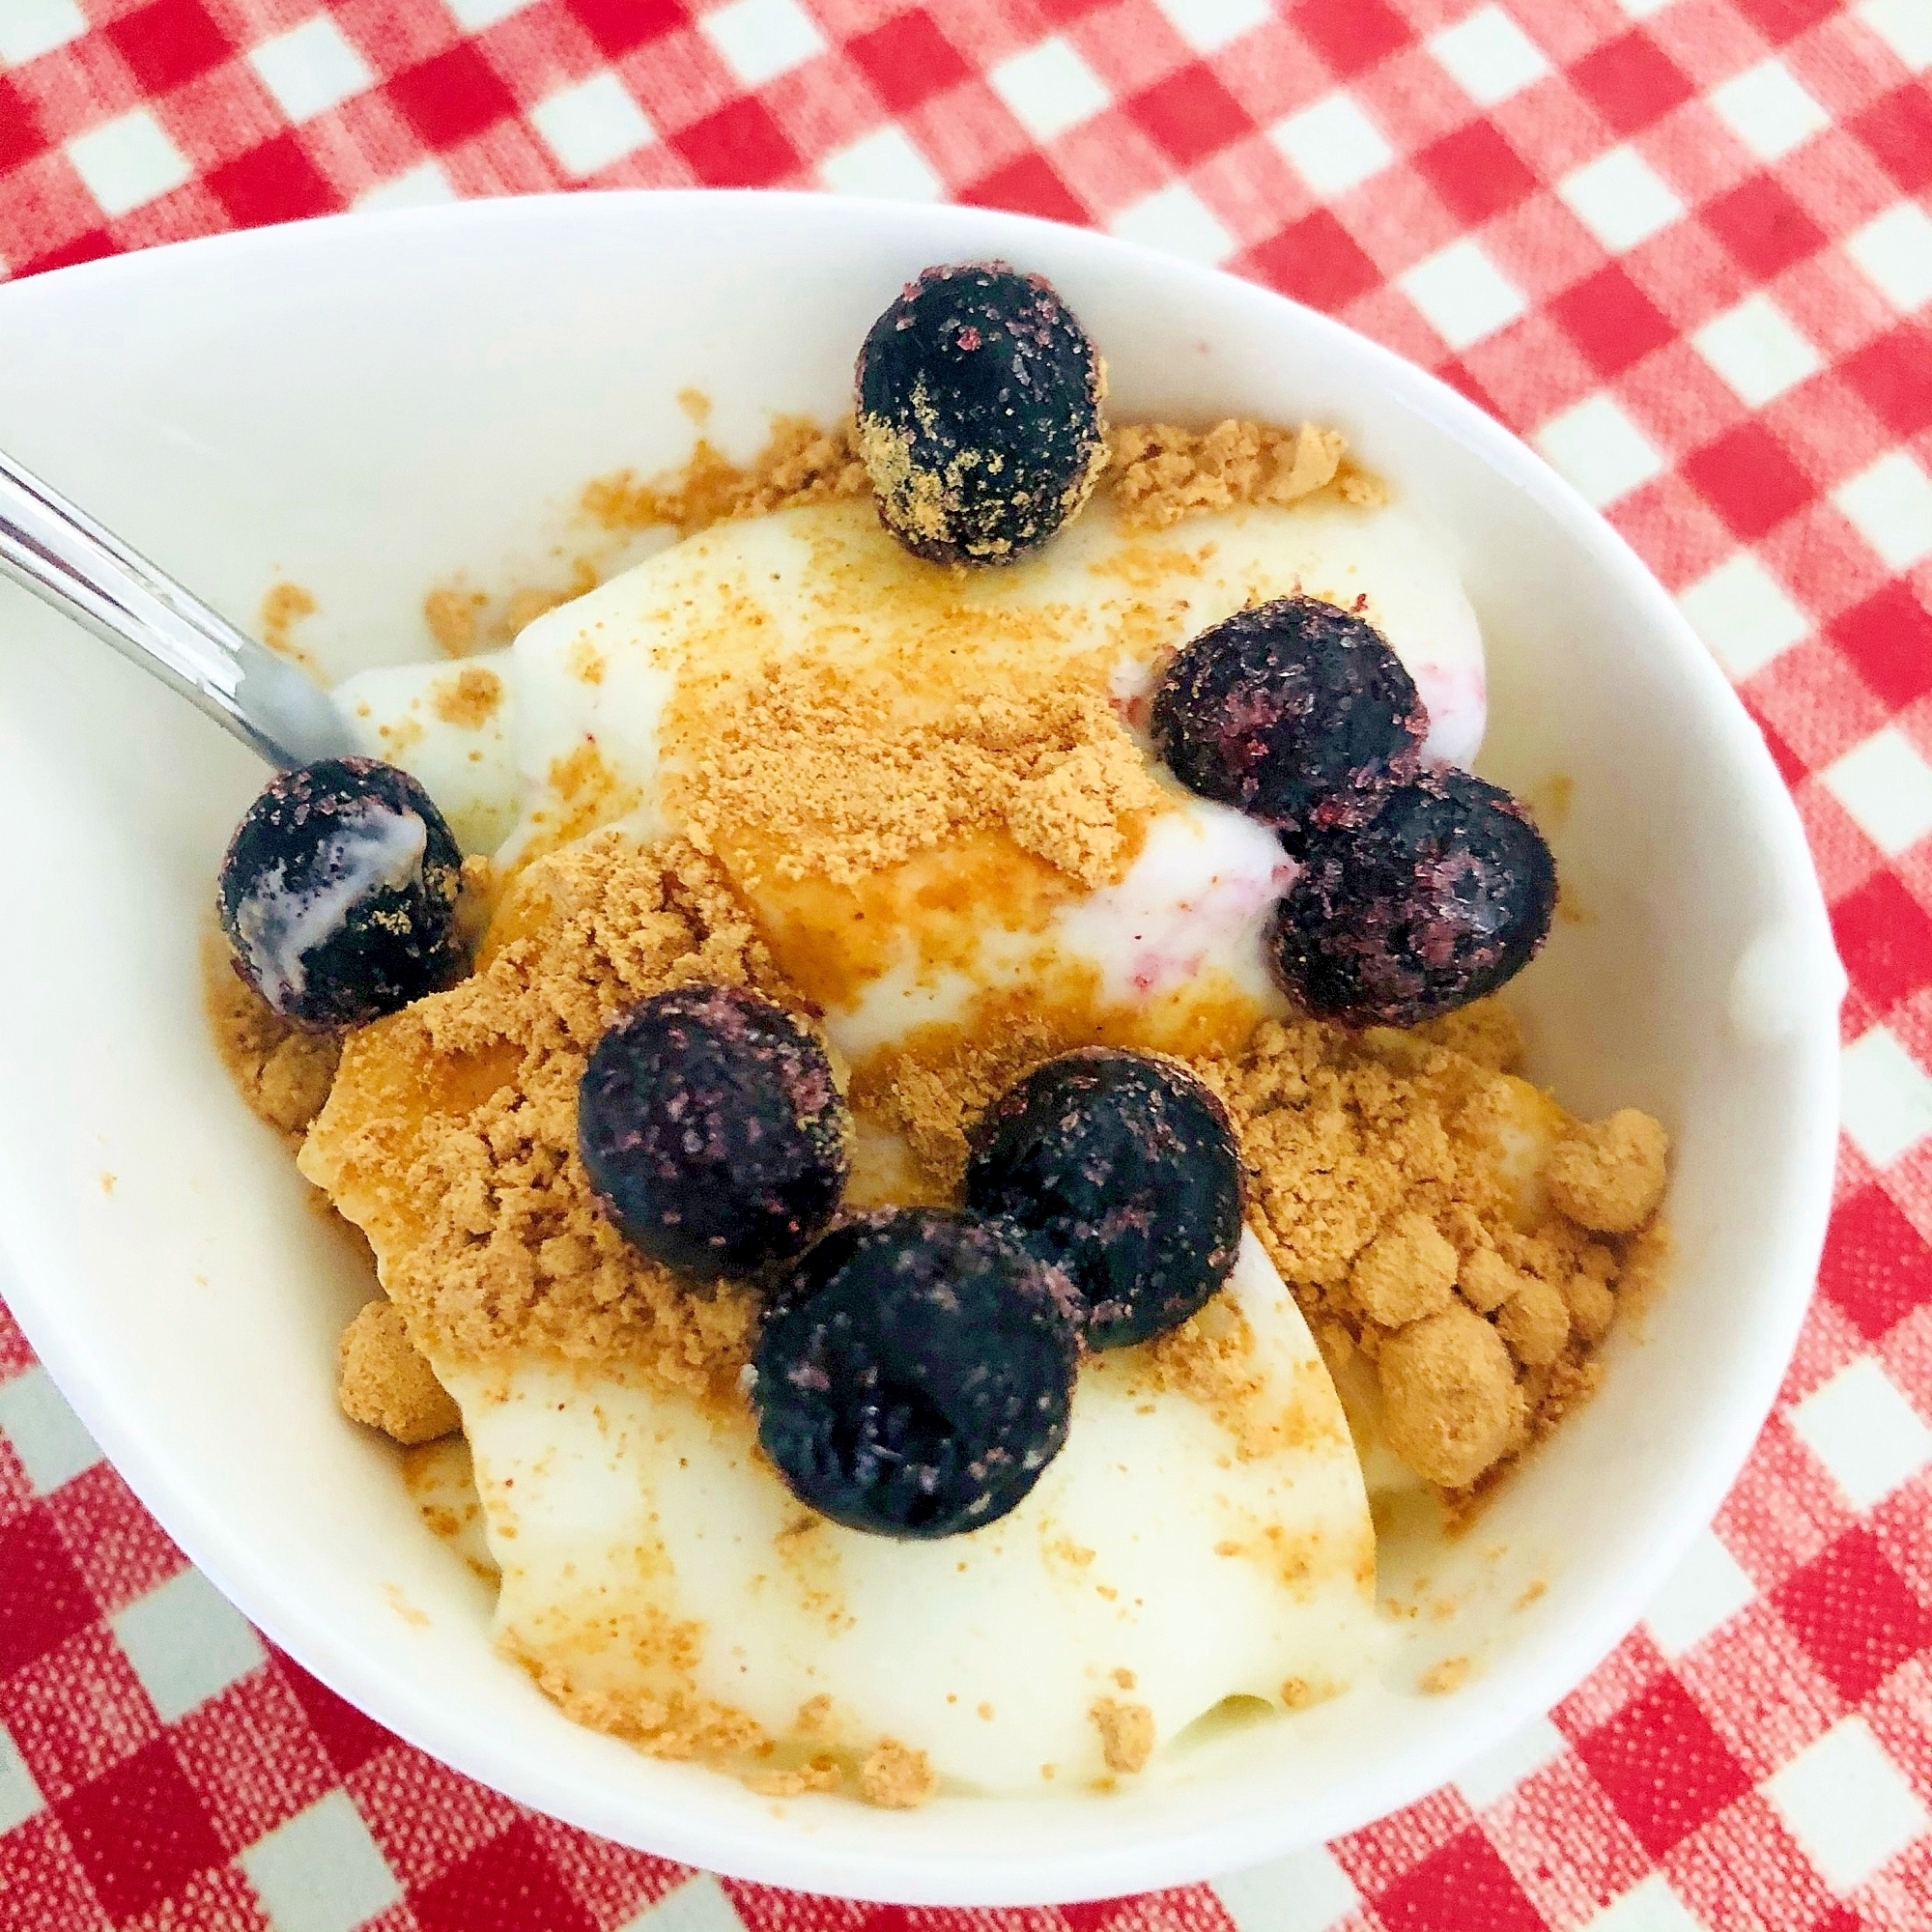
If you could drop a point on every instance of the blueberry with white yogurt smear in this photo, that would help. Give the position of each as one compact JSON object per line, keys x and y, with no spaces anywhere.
{"x":713,"y":1131}
{"x":1295,"y":712}
{"x":1446,"y":895}
{"x":915,"y":1376}
{"x":1120,"y":1169}
{"x":979,"y":413}
{"x":338,"y":894}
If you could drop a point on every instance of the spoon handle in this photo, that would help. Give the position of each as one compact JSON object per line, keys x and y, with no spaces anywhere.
{"x":63,"y":556}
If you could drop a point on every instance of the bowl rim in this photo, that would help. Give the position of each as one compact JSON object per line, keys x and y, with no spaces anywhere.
{"x":1150,"y":1862}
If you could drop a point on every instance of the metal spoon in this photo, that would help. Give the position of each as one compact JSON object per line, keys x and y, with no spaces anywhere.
{"x":64,"y":557}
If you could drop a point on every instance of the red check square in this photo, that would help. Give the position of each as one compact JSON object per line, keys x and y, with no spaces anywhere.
{"x":508,"y":1884}
{"x":1630,"y":82}
{"x":1458,"y":1887}
{"x":1749,"y":480}
{"x":452,"y":96}
{"x":1318,"y":262}
{"x":168,"y":44}
{"x":740,"y":146}
{"x":1476,"y":171}
{"x":1898,"y":130}
{"x":1876,"y":1265}
{"x":1761,"y":224}
{"x":1611,"y":319}
{"x":1854,"y":1613}
{"x":619,"y":25}
{"x":1190,"y":114}
{"x":139,"y":1830}
{"x":276,"y":182}
{"x":908,"y":60}
{"x":43,"y":1599}
{"x":1663,"y":1765}
{"x":1351,"y":35}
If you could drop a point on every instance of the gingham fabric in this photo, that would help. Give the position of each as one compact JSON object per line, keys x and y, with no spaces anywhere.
{"x":1682,"y":245}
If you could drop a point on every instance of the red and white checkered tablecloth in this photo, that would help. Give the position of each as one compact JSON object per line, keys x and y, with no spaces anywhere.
{"x":1682,"y":245}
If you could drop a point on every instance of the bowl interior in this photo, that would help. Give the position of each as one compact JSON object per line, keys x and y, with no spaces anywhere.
{"x":367,"y":406}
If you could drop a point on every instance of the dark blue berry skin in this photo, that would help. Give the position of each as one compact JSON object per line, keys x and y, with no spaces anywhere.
{"x":712,"y":1130}
{"x":979,"y":413}
{"x":1440,"y":898}
{"x":338,"y":894}
{"x":915,"y":1374}
{"x":1121,"y":1170}
{"x":1295,"y":712}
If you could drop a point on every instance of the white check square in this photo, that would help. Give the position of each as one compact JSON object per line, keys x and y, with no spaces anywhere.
{"x":322,"y":1871}
{"x":760,"y":39}
{"x":1756,"y":352}
{"x":1894,"y":252}
{"x":1600,"y":450}
{"x":1648,"y":1906}
{"x":1890,"y":503}
{"x":1847,"y":1805}
{"x":310,"y":68}
{"x":1463,"y":295}
{"x":1332,"y":145}
{"x":1886,"y":787}
{"x":1049,"y":88}
{"x":592,"y":126}
{"x":1489,"y":56}
{"x":1706,"y":1591}
{"x":1305,"y":1892}
{"x":128,"y":162}
{"x":19,"y":1796}
{"x":31,"y":28}
{"x":1620,"y":198}
{"x":1884,"y":1097}
{"x":1767,"y":111}
{"x":1743,"y":615}
{"x":1497,"y":1773}
{"x":887,"y":164}
{"x":1864,"y":1432}
{"x":698,"y":1905}
{"x":424,"y":186}
{"x":1905,"y":26}
{"x":1209,"y":25}
{"x":1176,"y":220}
{"x":187,"y":1643}
{"x":47,"y":1435}
{"x":476,"y":14}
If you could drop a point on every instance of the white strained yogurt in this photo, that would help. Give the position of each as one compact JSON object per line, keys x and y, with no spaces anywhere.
{"x":1169,"y":1556}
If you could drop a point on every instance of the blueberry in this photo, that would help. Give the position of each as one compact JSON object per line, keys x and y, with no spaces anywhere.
{"x":1443,"y":895}
{"x":1121,"y":1170}
{"x":1294,"y":712}
{"x":979,"y":413}
{"x":915,"y":1374}
{"x":713,"y":1131}
{"x":338,"y":894}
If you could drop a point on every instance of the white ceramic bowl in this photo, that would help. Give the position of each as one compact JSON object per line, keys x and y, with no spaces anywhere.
{"x":364,"y":405}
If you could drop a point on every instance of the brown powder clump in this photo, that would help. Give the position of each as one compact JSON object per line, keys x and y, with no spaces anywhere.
{"x":800,"y":464}
{"x":384,"y":1382}
{"x":282,"y":1073}
{"x":470,"y":700}
{"x":822,"y":1772}
{"x":1161,"y":473}
{"x":450,"y":1136}
{"x":1382,"y":1182}
{"x":283,"y":608}
{"x":1126,"y":1733}
{"x":813,"y":760}
{"x":896,"y":1778}
{"x":1453,"y":1403}
{"x":1608,"y":1175}
{"x":1408,"y":1271}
